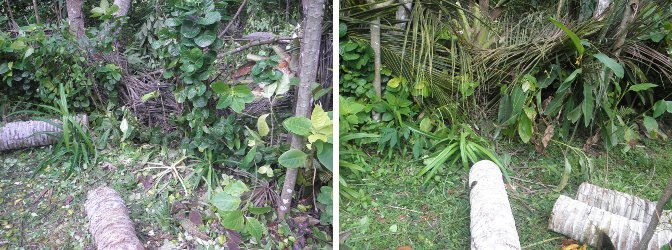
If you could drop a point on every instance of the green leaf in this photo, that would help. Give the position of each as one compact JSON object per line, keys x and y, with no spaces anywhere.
{"x":568,"y":81}
{"x":189,"y":29}
{"x":262,"y":126}
{"x":205,"y":39}
{"x":642,"y":86}
{"x":172,"y":22}
{"x":236,"y":188}
{"x":225,"y":202}
{"x":611,"y":64}
{"x":572,"y":35}
{"x":210,"y":18}
{"x":293,"y":158}
{"x":650,"y":124}
{"x":150,"y":95}
{"x":233,"y":220}
{"x":325,"y":154}
{"x":260,"y":210}
{"x":588,"y":103}
{"x":4,"y":68}
{"x":659,"y":108}
{"x":669,"y":106}
{"x":342,"y":29}
{"x":249,"y":157}
{"x":565,"y":176}
{"x":29,"y":52}
{"x":393,"y":228}
{"x":298,"y":125}
{"x":254,"y":228}
{"x":525,"y":128}
{"x":505,"y":109}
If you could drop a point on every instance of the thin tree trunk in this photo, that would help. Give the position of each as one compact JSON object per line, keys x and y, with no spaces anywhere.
{"x":601,"y":7}
{"x":375,"y":45}
{"x":37,"y":16}
{"x":403,"y":13}
{"x":653,"y":224}
{"x":584,"y":223}
{"x":313,"y":10}
{"x":628,"y":16}
{"x":124,"y":6}
{"x":12,"y":22}
{"x":16,"y":135}
{"x":492,"y":224}
{"x":109,"y":222}
{"x":485,"y":7}
{"x":75,"y":17}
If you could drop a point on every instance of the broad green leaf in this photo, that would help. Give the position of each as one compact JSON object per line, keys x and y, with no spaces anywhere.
{"x":293,"y":158}
{"x":150,"y":95}
{"x":650,"y":124}
{"x":342,"y":29}
{"x":260,"y":210}
{"x":4,"y":68}
{"x":321,"y":121}
{"x":210,"y":18}
{"x":205,"y":39}
{"x":659,"y":108}
{"x":189,"y":29}
{"x":525,"y":128}
{"x":266,"y":169}
{"x":236,"y":188}
{"x":262,"y":126}
{"x":225,"y":202}
{"x":249,"y":158}
{"x":565,"y":176}
{"x":325,"y":154}
{"x":426,"y":124}
{"x":505,"y":109}
{"x":575,"y":39}
{"x":172,"y":22}
{"x":220,"y":87}
{"x":233,"y":220}
{"x":612,"y":64}
{"x":642,"y":86}
{"x":394,"y":82}
{"x":29,"y":52}
{"x":254,"y":228}
{"x":588,"y":104}
{"x":568,"y":81}
{"x":283,"y":85}
{"x":298,"y":125}
{"x":669,"y":106}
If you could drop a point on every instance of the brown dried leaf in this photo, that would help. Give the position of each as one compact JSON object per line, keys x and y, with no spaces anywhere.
{"x":548,"y":135}
{"x":404,"y":248}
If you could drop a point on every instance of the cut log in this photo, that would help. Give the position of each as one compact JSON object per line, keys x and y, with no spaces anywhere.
{"x":15,"y":135}
{"x":492,"y":224}
{"x":582,"y":222}
{"x":628,"y":206}
{"x":109,"y":222}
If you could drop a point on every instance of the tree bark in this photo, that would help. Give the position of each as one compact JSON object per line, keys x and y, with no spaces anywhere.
{"x":600,"y":8}
{"x":75,"y":17}
{"x":492,"y":224}
{"x":584,"y":223}
{"x":124,"y":6}
{"x":628,"y":206}
{"x":485,"y":7}
{"x":403,"y":13}
{"x":653,"y":224}
{"x":109,"y":222}
{"x":16,"y":135}
{"x":375,"y":45}
{"x":628,"y":16}
{"x":313,"y":10}
{"x":37,"y":16}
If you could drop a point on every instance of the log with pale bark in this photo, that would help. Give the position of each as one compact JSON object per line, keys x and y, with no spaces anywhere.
{"x":492,"y":224}
{"x":109,"y":222}
{"x":582,"y":222}
{"x":24,"y":134}
{"x":626,"y":205}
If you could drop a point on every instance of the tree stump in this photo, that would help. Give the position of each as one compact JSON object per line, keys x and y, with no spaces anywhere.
{"x":492,"y":224}
{"x":109,"y":222}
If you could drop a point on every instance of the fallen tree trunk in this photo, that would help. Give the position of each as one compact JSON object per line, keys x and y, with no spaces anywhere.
{"x":109,"y":222}
{"x":15,"y":135}
{"x":582,"y":222}
{"x":628,"y":206}
{"x":492,"y":224}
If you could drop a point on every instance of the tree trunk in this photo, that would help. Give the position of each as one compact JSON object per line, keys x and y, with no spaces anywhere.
{"x":653,"y":224}
{"x":583,"y":223}
{"x":37,"y":16}
{"x":492,"y":224}
{"x":403,"y":13}
{"x":15,"y":135}
{"x":600,"y":8}
{"x":628,"y":16}
{"x":75,"y":17}
{"x":109,"y":222}
{"x":375,"y":45}
{"x":124,"y":5}
{"x":628,"y":206}
{"x":313,"y":10}
{"x":485,"y":7}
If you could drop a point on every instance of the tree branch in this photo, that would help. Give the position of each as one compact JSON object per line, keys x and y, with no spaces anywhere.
{"x":655,"y":219}
{"x":240,"y":10}
{"x":250,"y":45}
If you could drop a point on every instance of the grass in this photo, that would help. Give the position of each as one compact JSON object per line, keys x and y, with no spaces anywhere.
{"x":437,"y":216}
